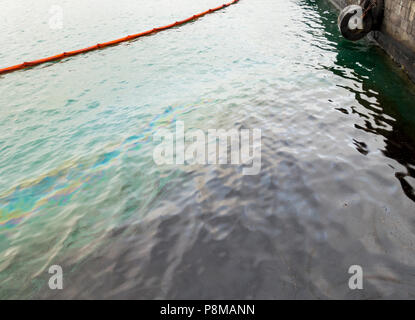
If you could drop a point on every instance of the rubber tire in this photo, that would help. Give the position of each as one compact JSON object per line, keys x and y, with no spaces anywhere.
{"x":356,"y":35}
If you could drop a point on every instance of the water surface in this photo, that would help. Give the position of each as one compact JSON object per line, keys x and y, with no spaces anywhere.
{"x":79,"y":187}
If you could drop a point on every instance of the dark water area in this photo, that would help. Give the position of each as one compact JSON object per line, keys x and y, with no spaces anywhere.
{"x":336,"y":186}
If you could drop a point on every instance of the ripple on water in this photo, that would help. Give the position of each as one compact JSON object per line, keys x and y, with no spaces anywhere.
{"x":79,"y":186}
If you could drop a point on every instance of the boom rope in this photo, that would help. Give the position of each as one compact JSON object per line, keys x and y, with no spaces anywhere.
{"x":98,"y":46}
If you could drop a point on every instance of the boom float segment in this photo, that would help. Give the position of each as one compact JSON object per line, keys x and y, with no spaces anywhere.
{"x":64,"y":55}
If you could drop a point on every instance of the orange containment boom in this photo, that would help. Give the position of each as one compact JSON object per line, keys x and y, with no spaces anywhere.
{"x":111,"y":43}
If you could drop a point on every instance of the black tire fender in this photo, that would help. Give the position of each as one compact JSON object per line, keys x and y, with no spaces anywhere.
{"x":349,"y":13}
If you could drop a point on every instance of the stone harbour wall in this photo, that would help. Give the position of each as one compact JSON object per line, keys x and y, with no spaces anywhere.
{"x":399,"y":21}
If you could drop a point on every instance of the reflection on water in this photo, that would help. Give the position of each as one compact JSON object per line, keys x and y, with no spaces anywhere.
{"x":79,"y":187}
{"x":389,"y":105}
